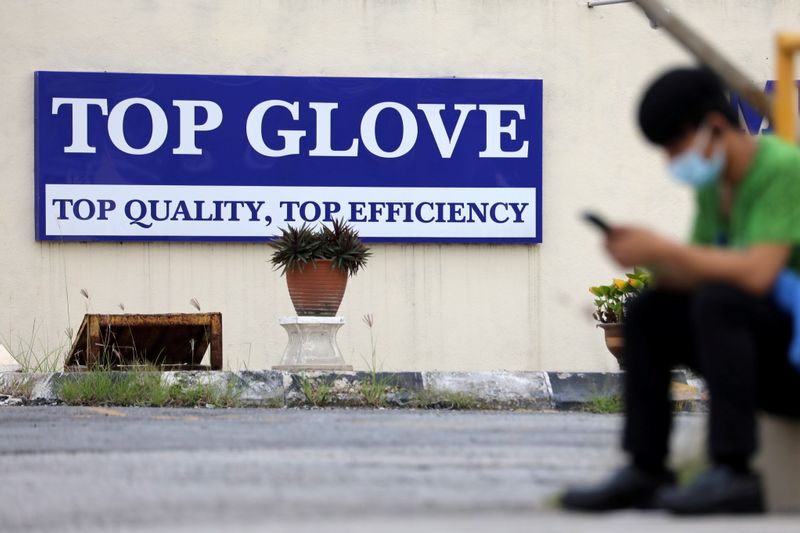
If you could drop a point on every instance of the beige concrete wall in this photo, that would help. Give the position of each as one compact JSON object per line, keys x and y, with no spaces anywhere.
{"x":454,"y":307}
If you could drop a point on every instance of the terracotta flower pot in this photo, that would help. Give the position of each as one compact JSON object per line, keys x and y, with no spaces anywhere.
{"x":316,"y":290}
{"x":615,"y":341}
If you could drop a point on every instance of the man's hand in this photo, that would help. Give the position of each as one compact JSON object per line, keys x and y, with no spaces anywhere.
{"x":631,"y":246}
{"x":752,"y":269}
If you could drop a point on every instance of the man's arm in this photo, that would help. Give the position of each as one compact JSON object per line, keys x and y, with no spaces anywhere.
{"x":753,"y":270}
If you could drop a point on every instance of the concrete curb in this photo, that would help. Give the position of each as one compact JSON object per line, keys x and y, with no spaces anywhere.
{"x":486,"y":390}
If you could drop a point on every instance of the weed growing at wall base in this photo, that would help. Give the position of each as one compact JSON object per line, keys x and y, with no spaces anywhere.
{"x":607,"y":404}
{"x":142,"y":388}
{"x":34,"y":353}
{"x":316,"y":393}
{"x":18,"y":386}
{"x":376,"y":386}
{"x":457,"y":401}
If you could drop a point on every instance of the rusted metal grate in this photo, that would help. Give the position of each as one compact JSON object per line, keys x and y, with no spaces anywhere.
{"x":169,"y":341}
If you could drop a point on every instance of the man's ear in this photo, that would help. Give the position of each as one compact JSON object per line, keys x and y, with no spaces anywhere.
{"x":717,"y":122}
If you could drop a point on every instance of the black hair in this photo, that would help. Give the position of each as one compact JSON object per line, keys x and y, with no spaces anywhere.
{"x":679,"y":100}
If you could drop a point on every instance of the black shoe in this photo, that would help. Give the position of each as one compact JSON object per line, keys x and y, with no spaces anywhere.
{"x":718,"y":490}
{"x":629,"y":487}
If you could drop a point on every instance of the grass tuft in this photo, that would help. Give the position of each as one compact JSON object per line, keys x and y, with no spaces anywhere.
{"x":35,"y":354}
{"x":18,"y":388}
{"x":142,"y":388}
{"x":607,"y":404}
{"x":453,"y":400}
{"x":375,"y":388}
{"x":317,"y":393}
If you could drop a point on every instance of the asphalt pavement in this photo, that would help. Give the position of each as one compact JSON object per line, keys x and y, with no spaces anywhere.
{"x":208,"y":470}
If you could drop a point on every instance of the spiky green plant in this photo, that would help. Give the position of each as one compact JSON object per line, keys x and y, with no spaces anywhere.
{"x":342,"y":245}
{"x":339,"y":243}
{"x":295,"y":248}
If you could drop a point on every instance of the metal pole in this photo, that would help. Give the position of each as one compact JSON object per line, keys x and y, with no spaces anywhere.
{"x":707,"y":55}
{"x":596,"y":3}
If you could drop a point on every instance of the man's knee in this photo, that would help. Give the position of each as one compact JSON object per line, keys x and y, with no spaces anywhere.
{"x":647,"y":308}
{"x":715,"y":301}
{"x":651,"y":315}
{"x":720,"y":317}
{"x":650,"y":330}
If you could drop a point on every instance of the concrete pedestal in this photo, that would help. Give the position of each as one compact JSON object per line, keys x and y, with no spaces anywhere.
{"x":312,"y":344}
{"x":779,"y":461}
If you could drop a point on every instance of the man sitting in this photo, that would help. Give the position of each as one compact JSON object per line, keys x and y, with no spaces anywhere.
{"x":712,"y":308}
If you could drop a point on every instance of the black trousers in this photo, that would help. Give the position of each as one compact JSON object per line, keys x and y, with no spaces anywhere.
{"x":736,"y":341}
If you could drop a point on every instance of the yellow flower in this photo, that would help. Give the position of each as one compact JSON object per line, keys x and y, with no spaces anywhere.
{"x":619,"y":283}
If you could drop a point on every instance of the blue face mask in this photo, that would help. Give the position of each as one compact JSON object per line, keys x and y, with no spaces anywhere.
{"x":692,"y":167}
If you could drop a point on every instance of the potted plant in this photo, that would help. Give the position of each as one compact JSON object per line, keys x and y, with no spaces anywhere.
{"x":317,"y":263}
{"x":610,"y":306}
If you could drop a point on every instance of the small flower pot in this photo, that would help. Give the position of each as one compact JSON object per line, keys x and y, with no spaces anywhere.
{"x":615,"y":341}
{"x":316,"y":289}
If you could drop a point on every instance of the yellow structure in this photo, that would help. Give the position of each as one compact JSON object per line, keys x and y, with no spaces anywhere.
{"x":785,"y":106}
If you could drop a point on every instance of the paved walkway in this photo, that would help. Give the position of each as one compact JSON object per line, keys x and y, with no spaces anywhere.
{"x":102,"y":470}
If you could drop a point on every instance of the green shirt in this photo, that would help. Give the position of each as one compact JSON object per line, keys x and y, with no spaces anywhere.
{"x":766,"y":205}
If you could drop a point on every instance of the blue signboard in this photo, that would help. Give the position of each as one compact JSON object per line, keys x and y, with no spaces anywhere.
{"x":194,"y":157}
{"x":753,"y":121}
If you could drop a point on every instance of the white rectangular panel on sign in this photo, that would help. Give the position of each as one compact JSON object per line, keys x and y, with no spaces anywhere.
{"x":258,"y":212}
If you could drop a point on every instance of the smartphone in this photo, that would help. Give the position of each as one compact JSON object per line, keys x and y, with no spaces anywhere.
{"x":597,"y":221}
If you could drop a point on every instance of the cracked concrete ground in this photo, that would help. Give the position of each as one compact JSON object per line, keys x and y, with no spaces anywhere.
{"x":201,"y":470}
